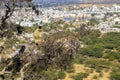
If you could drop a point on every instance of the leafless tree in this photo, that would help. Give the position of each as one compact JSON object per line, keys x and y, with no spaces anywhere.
{"x":5,"y":24}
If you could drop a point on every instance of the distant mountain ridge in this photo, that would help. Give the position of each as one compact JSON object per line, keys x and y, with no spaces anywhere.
{"x":48,"y":3}
{"x":79,"y":1}
{"x":63,"y":2}
{"x":102,"y":1}
{"x":83,"y":1}
{"x":56,"y":2}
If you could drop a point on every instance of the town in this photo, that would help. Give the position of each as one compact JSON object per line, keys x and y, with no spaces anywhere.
{"x":107,"y":17}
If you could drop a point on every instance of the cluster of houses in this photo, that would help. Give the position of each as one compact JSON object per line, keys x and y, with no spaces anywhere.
{"x":106,"y":16}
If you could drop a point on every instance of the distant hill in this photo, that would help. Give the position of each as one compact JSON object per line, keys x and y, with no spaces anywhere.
{"x":47,"y":3}
{"x":74,"y":1}
{"x":63,"y":2}
{"x":79,"y":1}
{"x":101,"y":1}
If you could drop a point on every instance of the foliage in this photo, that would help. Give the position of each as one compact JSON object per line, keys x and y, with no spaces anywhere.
{"x":70,"y":69}
{"x":117,"y":26}
{"x":80,"y":76}
{"x":96,"y":46}
{"x":30,"y":29}
{"x":61,"y":75}
{"x":97,"y":64}
{"x":115,"y":75}
{"x":93,"y":50}
{"x":113,"y":55}
{"x":79,"y":59}
{"x":95,"y":77}
{"x":54,"y":75}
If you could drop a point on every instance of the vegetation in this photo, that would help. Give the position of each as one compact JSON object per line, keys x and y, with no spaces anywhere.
{"x":115,"y":75}
{"x":117,"y":26}
{"x":60,"y":49}
{"x":30,"y":29}
{"x":98,"y":65}
{"x":94,"y":51}
{"x":54,"y":75}
{"x":80,"y":76}
{"x":97,"y":47}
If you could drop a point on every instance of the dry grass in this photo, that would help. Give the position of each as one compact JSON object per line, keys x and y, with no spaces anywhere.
{"x":81,"y":68}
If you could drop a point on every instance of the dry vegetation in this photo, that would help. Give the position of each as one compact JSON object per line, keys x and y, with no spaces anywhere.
{"x":60,"y":55}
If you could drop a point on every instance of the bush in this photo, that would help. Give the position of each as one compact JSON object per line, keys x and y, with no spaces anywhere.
{"x":115,"y":75}
{"x":111,"y":39}
{"x":112,"y":55}
{"x":50,"y":74}
{"x":61,"y":75}
{"x":54,"y":74}
{"x":30,"y":29}
{"x":101,"y":74}
{"x":98,"y":64}
{"x":93,"y":50}
{"x":109,"y":46}
{"x":80,"y":76}
{"x":70,"y":70}
{"x":79,"y":59}
{"x":95,"y":77}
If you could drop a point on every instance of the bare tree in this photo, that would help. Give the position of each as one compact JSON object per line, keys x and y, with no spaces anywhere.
{"x":9,"y":9}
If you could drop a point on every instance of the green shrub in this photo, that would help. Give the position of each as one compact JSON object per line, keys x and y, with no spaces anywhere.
{"x":54,"y":74}
{"x":95,"y":77}
{"x":93,"y":50}
{"x":79,"y":59}
{"x":61,"y":75}
{"x":51,"y":75}
{"x":80,"y":76}
{"x":115,"y":75}
{"x":109,"y":46}
{"x":70,"y":70}
{"x":113,"y":55}
{"x":98,"y":64}
{"x":30,"y":29}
